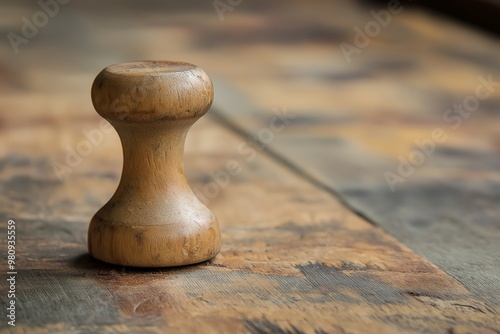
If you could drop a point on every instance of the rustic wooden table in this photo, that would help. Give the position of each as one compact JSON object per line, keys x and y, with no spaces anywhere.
{"x":315,"y":240}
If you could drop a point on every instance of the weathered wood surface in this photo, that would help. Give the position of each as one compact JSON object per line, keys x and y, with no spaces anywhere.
{"x":293,"y":259}
{"x":354,"y":120}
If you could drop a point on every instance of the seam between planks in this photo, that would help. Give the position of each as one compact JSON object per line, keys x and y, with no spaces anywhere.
{"x":276,"y":156}
{"x":225,"y":121}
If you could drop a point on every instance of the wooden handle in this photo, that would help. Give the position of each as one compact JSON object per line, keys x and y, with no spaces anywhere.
{"x":153,"y":219}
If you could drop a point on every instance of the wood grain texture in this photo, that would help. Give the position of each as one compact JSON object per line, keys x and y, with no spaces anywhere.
{"x":153,"y":219}
{"x":354,"y":121}
{"x":294,"y":259}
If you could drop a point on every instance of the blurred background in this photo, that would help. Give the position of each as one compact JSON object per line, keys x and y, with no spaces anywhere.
{"x":394,"y":105}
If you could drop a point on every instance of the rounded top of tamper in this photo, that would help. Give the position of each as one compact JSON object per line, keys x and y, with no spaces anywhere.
{"x":148,"y":91}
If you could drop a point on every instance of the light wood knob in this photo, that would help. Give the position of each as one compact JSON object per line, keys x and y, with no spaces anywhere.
{"x":153,"y":218}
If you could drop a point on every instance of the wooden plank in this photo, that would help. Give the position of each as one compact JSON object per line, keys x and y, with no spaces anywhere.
{"x":353,"y":122}
{"x":293,"y":259}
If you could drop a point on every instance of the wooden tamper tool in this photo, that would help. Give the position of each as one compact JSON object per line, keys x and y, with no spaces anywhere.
{"x":153,"y":218}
